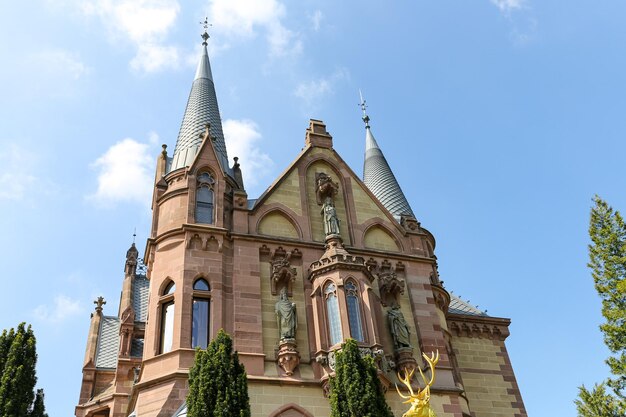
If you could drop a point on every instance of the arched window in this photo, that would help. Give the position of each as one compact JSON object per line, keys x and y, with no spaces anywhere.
{"x":204,"y":199}
{"x":167,"y":318}
{"x":332,"y":310}
{"x":201,"y":310}
{"x":354,"y":312}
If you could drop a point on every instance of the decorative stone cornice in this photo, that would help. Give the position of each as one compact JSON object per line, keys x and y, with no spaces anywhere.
{"x":482,"y":327}
{"x":338,"y":261}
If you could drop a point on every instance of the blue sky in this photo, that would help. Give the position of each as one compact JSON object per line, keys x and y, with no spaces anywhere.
{"x":500,"y":118}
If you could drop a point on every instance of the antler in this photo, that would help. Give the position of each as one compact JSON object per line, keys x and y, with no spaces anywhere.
{"x":406,"y":381}
{"x":432,"y":361}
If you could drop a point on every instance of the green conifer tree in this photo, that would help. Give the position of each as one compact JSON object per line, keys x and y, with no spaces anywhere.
{"x":355,"y":390}
{"x":6,"y":339}
{"x":39,"y":409}
{"x":607,"y":260}
{"x":217,"y":382}
{"x":18,"y":374}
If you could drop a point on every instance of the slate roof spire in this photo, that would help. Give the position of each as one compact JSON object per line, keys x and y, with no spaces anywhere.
{"x":201,"y":109}
{"x":377,"y":174}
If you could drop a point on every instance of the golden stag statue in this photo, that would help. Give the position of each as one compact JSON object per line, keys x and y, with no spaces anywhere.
{"x":420,"y":402}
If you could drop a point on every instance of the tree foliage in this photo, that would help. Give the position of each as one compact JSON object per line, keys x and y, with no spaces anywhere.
{"x":18,"y":357}
{"x":39,"y":409}
{"x":217,"y":382}
{"x":355,"y":390}
{"x":597,"y":403}
{"x":607,"y":260}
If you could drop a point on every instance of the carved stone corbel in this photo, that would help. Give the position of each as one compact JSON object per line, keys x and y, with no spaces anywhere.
{"x":288,"y":356}
{"x":409,"y":223}
{"x":391,"y":282}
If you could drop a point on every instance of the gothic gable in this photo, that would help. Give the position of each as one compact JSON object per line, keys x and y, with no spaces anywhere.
{"x":291,"y":207}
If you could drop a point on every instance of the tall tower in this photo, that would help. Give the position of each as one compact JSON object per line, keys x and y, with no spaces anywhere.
{"x":188,"y":254}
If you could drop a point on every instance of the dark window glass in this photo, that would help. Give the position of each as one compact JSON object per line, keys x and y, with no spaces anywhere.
{"x":200,"y":324}
{"x":169,"y":289}
{"x":167,"y":327}
{"x":204,"y":205}
{"x":201,"y":285}
{"x":332,"y":308}
{"x":354,"y":316}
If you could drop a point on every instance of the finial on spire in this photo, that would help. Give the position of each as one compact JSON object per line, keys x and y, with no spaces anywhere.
{"x":134,"y":234}
{"x":205,"y":35}
{"x":99,"y":302}
{"x":363,"y":105}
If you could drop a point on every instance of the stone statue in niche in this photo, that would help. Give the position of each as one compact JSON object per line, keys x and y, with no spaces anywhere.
{"x":398,"y":327}
{"x":286,"y":316}
{"x":331,"y":222}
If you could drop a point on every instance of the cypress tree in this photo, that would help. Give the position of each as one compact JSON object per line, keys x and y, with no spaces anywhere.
{"x":217,"y":382}
{"x":39,"y":409}
{"x":355,"y":390}
{"x":607,"y":260}
{"x":18,"y":374}
{"x":6,"y":339}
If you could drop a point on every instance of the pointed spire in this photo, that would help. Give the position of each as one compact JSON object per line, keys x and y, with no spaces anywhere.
{"x":377,"y":174}
{"x":202,"y":109}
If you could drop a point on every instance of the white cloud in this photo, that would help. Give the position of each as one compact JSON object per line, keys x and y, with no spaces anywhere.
{"x":153,"y":138}
{"x":152,"y":58}
{"x":316,"y":20}
{"x":59,"y":61}
{"x":243,"y":18}
{"x":143,"y":23}
{"x":16,"y":175}
{"x":314,"y":90}
{"x":507,"y":6}
{"x":125,"y":173}
{"x":63,"y":308}
{"x":242,"y":137}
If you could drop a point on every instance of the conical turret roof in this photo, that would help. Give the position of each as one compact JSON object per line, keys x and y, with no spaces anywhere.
{"x":379,"y":178}
{"x":201,"y":109}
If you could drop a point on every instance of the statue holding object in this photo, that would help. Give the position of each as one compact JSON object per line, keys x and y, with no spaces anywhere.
{"x":286,"y":316}
{"x":331,"y":222}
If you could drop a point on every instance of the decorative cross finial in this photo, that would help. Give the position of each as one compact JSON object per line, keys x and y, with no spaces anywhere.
{"x":134,"y":234}
{"x":99,"y":303}
{"x":205,"y":35}
{"x":366,"y":118}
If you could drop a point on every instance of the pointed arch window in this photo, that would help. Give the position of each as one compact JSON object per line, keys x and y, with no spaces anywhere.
{"x":332,"y":311}
{"x":205,"y":199}
{"x":166,"y":336}
{"x":354,"y":311}
{"x":200,"y":314}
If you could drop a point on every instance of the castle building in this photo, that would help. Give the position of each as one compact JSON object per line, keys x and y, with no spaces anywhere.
{"x":321,"y":256}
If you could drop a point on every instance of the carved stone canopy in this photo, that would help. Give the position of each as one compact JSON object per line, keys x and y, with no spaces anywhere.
{"x":391,"y":282}
{"x":324,"y":187}
{"x":282,"y":274}
{"x":282,"y":271}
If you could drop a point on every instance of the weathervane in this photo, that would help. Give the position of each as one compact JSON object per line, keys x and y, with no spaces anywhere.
{"x":363,"y":105}
{"x":205,"y":35}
